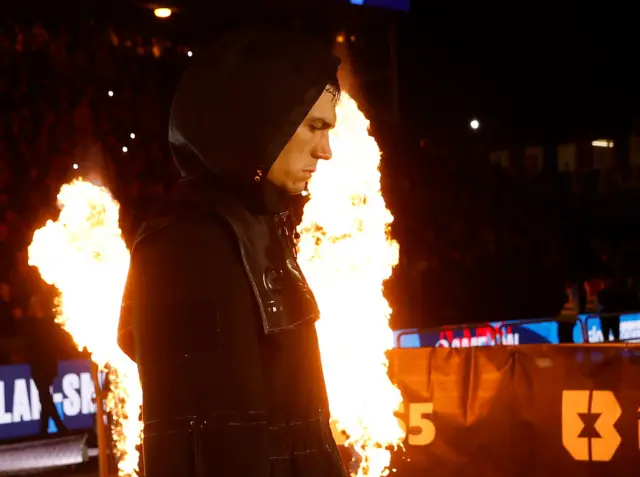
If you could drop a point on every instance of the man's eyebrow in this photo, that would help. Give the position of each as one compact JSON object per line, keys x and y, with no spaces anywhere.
{"x":322,"y":122}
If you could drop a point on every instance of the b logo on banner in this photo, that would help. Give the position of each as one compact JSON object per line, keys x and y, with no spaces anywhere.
{"x":588,"y":425}
{"x":416,"y":424}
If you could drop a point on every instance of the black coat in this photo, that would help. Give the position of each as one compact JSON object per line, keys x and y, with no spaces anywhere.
{"x":216,"y":312}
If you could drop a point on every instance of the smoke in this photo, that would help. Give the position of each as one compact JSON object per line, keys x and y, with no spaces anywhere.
{"x":347,"y":75}
{"x":92,"y":164}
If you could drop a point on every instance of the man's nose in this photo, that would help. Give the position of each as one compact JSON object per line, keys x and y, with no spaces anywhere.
{"x":322,"y":151}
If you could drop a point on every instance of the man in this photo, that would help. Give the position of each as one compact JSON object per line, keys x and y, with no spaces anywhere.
{"x":619,"y":296}
{"x":42,"y":350}
{"x":217,"y":313}
{"x":568,"y":314}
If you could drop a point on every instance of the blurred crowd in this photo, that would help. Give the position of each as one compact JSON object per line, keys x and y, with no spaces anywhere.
{"x":84,"y":100}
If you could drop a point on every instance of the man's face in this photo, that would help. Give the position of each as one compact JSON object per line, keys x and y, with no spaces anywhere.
{"x":310,"y":143}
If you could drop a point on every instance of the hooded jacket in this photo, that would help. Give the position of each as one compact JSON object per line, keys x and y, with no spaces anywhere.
{"x":216,"y":312}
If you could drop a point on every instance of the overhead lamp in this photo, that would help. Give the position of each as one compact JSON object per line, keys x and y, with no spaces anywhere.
{"x":162,"y":12}
{"x":602,"y":143}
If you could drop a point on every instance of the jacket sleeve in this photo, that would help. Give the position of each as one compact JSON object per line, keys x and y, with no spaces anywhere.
{"x":125,"y":325}
{"x":188,"y":293}
{"x":191,"y":321}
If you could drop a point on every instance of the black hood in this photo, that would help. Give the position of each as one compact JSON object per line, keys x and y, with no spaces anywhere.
{"x":242,"y":99}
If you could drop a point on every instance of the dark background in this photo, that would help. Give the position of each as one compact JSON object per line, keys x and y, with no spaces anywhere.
{"x":478,"y":242}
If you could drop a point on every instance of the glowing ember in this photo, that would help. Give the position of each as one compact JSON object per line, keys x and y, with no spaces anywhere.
{"x":84,"y":256}
{"x":346,"y":255}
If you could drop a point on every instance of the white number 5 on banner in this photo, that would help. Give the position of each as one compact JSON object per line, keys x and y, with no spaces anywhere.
{"x":421,"y":430}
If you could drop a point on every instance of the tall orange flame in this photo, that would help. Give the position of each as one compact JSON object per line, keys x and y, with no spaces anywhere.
{"x":85,"y":257}
{"x":346,"y":254}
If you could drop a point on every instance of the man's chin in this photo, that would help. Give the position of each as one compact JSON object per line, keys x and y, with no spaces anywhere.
{"x":297,"y":189}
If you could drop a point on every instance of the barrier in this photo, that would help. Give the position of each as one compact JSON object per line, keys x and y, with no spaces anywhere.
{"x":523,"y":411}
{"x":43,"y":455}
{"x":504,"y":410}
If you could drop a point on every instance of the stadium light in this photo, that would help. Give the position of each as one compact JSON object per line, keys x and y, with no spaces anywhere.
{"x":602,"y":143}
{"x":162,"y":12}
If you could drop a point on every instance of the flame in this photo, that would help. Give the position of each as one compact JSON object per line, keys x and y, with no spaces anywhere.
{"x":85,"y":257}
{"x":346,"y":254}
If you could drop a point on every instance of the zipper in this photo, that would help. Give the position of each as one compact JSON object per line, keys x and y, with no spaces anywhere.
{"x":289,"y":231}
{"x":263,"y":316}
